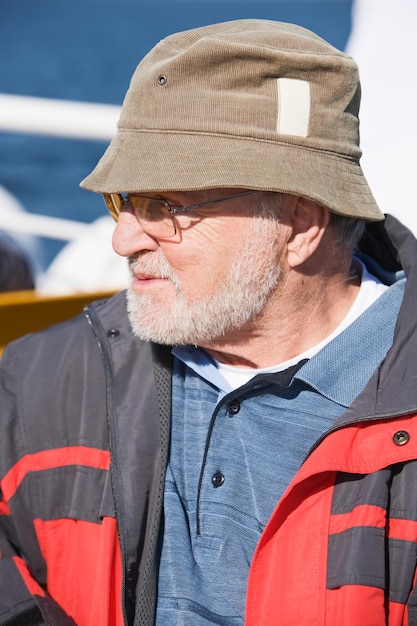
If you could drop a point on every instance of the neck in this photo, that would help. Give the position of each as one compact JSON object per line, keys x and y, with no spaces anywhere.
{"x":300,"y":314}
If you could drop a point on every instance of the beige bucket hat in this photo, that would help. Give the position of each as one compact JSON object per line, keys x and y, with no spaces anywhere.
{"x":250,"y":104}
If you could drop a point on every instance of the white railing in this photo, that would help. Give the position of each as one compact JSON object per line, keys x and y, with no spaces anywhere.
{"x":60,"y":118}
{"x":57,"y":118}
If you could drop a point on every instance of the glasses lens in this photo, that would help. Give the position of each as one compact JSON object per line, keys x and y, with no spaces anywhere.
{"x":113,"y":202}
{"x":153,"y":214}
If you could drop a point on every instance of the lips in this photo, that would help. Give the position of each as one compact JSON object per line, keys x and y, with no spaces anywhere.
{"x":144,"y":281}
{"x":141,"y":276}
{"x":148,"y":269}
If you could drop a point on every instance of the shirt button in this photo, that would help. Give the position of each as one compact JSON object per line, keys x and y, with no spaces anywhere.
{"x":234,"y":407}
{"x":217,"y":480}
{"x":401,"y":437}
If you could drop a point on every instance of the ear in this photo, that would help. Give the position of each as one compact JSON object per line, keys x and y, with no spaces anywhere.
{"x":308,"y":221}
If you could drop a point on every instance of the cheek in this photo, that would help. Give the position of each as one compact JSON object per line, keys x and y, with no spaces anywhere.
{"x":199,"y":275}
{"x":202,"y":260}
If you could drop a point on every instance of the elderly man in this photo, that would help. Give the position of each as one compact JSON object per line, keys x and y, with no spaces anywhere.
{"x":233,"y":441}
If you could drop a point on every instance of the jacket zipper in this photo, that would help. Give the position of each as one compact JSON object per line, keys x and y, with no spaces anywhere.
{"x":98,"y":331}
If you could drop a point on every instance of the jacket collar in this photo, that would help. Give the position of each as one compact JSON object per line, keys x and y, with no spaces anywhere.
{"x":392,"y":390}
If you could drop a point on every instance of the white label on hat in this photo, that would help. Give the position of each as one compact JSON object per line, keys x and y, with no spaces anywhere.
{"x":293,"y":106}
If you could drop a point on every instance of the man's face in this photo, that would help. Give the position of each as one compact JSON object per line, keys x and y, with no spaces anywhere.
{"x":209,"y":281}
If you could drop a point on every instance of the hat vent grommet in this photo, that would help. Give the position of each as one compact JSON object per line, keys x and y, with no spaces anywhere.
{"x":162,"y":79}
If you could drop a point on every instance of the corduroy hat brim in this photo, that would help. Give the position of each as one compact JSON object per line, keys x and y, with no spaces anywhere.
{"x":179,"y":162}
{"x":203,"y":108}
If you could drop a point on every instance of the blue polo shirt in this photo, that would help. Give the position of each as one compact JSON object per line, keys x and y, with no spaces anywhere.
{"x":234,"y":453}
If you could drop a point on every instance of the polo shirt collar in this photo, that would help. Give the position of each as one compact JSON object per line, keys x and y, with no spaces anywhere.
{"x":364,"y":343}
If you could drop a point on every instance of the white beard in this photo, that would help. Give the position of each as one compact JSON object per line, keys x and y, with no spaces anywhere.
{"x":234,"y":304}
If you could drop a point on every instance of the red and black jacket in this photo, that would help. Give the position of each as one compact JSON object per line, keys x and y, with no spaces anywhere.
{"x":84,"y":435}
{"x":69,"y":395}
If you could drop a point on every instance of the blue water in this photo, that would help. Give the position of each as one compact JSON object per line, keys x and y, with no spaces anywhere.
{"x":87,"y":50}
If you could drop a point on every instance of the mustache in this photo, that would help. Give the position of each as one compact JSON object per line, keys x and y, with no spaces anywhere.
{"x":154,"y":264}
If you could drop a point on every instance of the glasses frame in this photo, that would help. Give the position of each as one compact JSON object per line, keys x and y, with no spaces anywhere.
{"x":115,"y":209}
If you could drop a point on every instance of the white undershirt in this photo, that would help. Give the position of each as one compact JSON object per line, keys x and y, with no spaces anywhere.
{"x":370,"y":290}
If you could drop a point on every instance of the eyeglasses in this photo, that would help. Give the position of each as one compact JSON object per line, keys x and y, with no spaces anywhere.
{"x":156,"y":215}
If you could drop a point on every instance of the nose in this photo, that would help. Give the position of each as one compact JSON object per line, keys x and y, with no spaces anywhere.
{"x":129,"y":237}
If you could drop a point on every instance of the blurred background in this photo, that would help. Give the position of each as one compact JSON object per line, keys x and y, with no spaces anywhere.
{"x":58,"y":58}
